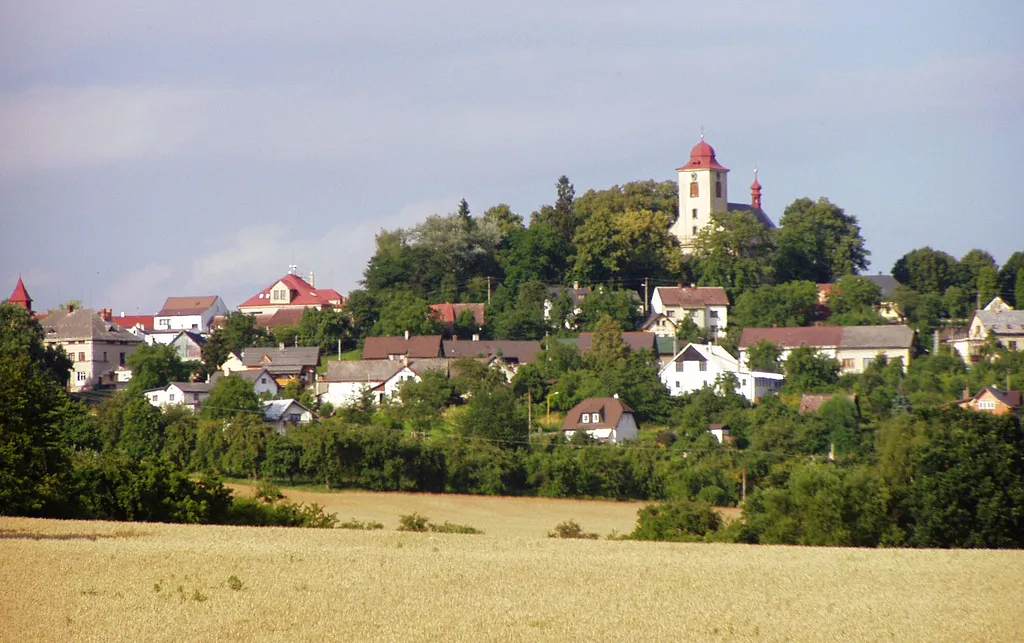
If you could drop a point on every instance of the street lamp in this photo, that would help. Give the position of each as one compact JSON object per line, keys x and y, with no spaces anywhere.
{"x":550,"y":395}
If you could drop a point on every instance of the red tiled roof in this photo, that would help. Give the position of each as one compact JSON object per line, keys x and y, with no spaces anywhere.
{"x":610,"y":409}
{"x":187,"y":305}
{"x":130,"y":321}
{"x":702,"y":157}
{"x":693,"y":296}
{"x":302,"y":294}
{"x":448,"y":313}
{"x":282,"y":317}
{"x":416,"y":347}
{"x":816,"y":336}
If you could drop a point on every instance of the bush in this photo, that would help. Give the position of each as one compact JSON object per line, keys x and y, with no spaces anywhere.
{"x":452,"y":528}
{"x":369,"y":525}
{"x":257,"y":513}
{"x":571,"y":529}
{"x":412,"y":522}
{"x":677,"y":520}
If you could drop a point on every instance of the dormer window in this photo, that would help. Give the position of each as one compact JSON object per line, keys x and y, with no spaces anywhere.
{"x":585,"y":418}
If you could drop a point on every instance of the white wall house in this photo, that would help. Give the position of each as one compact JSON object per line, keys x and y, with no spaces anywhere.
{"x":700,"y":365}
{"x":607,"y":419}
{"x":189,"y":313}
{"x":97,"y":347}
{"x":346,"y":380}
{"x":261,"y":379}
{"x":708,"y":307}
{"x":855,"y":347}
{"x":188,"y":394}
{"x":284,"y":414}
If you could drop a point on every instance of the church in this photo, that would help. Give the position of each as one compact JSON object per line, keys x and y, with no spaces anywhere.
{"x":703,"y":190}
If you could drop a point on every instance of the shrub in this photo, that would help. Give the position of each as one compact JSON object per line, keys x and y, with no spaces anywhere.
{"x":571,"y":529}
{"x":713,"y":495}
{"x":452,"y":528}
{"x":369,"y":525}
{"x":677,"y":520}
{"x":412,"y":522}
{"x":268,"y":492}
{"x":256,"y":513}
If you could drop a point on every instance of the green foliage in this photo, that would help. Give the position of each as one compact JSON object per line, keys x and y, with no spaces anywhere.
{"x":1008,"y":280}
{"x":808,"y":371}
{"x":493,"y":413}
{"x":422,"y":401}
{"x":764,"y":356}
{"x":231,"y":395}
{"x":156,"y":366}
{"x":818,"y":242}
{"x":369,"y":525}
{"x":927,"y":271}
{"x":247,"y":438}
{"x":677,"y":520}
{"x":404,"y":311}
{"x":619,"y":305}
{"x":412,"y":522}
{"x":735,"y":252}
{"x":789,"y":304}
{"x":257,"y":513}
{"x":628,"y":245}
{"x":237,"y":332}
{"x":323,"y":328}
{"x":571,"y":529}
{"x":453,"y":528}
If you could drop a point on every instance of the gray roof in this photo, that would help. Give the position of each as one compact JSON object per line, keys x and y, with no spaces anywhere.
{"x":877,"y":337}
{"x":886,"y":283}
{"x":1003,"y":322}
{"x":84,"y":323}
{"x":186,"y":387}
{"x":250,"y":375}
{"x":273,"y":410}
{"x":513,"y":351}
{"x":362,"y":370}
{"x":757,"y":212}
{"x":278,"y":358}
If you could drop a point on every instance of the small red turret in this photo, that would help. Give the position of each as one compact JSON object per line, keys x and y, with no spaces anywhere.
{"x":20,"y":296}
{"x":755,"y":193}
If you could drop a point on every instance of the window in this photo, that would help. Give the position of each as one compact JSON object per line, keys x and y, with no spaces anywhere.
{"x":80,"y":376}
{"x":987,"y":405}
{"x":154,"y":397}
{"x":294,"y":418}
{"x":695,"y":213}
{"x":713,"y":314}
{"x":848,"y":363}
{"x":164,"y":322}
{"x":703,"y":366}
{"x":677,"y":383}
{"x":670,"y":313}
{"x":121,"y":360}
{"x":1012,"y":345}
{"x":718,"y":189}
{"x":104,"y":356}
{"x":170,"y":397}
{"x":263,"y":380}
{"x":81,"y":357}
{"x":195,"y":326}
{"x":695,"y":231}
{"x":585,"y":418}
{"x":694,"y":190}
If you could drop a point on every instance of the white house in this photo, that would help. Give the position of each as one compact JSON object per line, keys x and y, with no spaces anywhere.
{"x":855,"y":347}
{"x":189,"y":313}
{"x":998,"y":319}
{"x":607,"y":419}
{"x":346,"y":380}
{"x":284,"y":414}
{"x":707,"y":307}
{"x":262,"y":381}
{"x":291,"y":292}
{"x":97,"y":347}
{"x":700,"y":365}
{"x":188,"y":394}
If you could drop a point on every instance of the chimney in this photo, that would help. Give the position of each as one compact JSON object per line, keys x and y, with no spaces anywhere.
{"x":575,"y":285}
{"x":476,"y":337}
{"x":407,"y":335}
{"x":615,"y":396}
{"x":281,"y":345}
{"x":312,"y":282}
{"x":106,"y":314}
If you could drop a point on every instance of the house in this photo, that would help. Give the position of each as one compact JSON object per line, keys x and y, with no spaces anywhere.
{"x":290,"y":292}
{"x":346,"y":380}
{"x":20,"y":296}
{"x":188,"y":345}
{"x":999,"y":320}
{"x":576,"y":295}
{"x":855,"y":347}
{"x":607,"y":419}
{"x":704,"y":190}
{"x":992,"y":400}
{"x":283,"y":317}
{"x":707,"y":307}
{"x":263,"y":383}
{"x":889,"y":309}
{"x":512,"y":352}
{"x":284,"y":414}
{"x":96,"y":345}
{"x":189,"y":313}
{"x":720,"y":432}
{"x":135,"y":322}
{"x":447,"y":314}
{"x":188,"y":394}
{"x":398,"y":348}
{"x":700,"y":365}
{"x":283,"y":363}
{"x":811,"y":402}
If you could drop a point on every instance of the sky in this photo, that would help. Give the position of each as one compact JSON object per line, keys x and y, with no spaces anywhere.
{"x":191,"y":148}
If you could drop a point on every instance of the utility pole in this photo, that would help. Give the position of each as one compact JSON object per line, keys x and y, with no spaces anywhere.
{"x":647,"y":297}
{"x":743,"y":493}
{"x":488,"y":290}
{"x":529,"y":414}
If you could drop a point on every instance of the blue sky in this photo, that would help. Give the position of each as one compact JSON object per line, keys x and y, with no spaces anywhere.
{"x":193,"y":148}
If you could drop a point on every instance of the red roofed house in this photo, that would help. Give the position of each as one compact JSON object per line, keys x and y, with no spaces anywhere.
{"x":189,"y":313}
{"x":448,"y":313}
{"x":703,"y":190}
{"x":290,"y":291}
{"x":399,"y":348}
{"x":20,"y":296}
{"x":708,"y":307}
{"x":607,"y":419}
{"x":129,"y":322}
{"x":992,"y":400}
{"x":855,"y":347}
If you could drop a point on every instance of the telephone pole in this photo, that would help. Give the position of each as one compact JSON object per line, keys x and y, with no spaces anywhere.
{"x":488,"y":290}
{"x":647,"y":297}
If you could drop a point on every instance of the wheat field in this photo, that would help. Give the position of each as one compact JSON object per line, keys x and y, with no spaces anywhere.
{"x":100,"y":581}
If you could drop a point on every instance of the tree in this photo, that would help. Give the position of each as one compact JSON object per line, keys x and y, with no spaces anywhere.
{"x":422,"y":401}
{"x":620,"y":305}
{"x":818,"y":242}
{"x":229,"y":396}
{"x":537,"y":253}
{"x":971,"y":265}
{"x":808,"y":371}
{"x":238,"y":331}
{"x":247,"y":437}
{"x":404,"y":311}
{"x":764,"y":356}
{"x":853,"y":301}
{"x":156,"y":366}
{"x":463,"y":211}
{"x":735,"y":251}
{"x":323,"y":328}
{"x":494,"y":414}
{"x":927,"y":271}
{"x":627,"y":246}
{"x":1018,"y":289}
{"x":988,"y":284}
{"x":1008,"y":279}
{"x":34,"y":465}
{"x":134,"y":426}
{"x":607,"y":346}
{"x":789,"y":304}
{"x":502,"y":218}
{"x":520,"y":316}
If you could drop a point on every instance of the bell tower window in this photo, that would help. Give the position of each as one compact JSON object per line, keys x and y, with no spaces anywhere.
{"x":694,"y":190}
{"x":718,"y":189}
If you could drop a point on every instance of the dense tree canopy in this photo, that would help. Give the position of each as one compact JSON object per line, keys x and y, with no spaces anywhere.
{"x":818,"y":242}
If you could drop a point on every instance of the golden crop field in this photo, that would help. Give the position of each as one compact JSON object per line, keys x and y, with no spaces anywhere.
{"x":99,"y":581}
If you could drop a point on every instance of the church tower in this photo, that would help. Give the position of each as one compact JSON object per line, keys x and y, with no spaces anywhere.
{"x":703,"y":189}
{"x":20,"y":296}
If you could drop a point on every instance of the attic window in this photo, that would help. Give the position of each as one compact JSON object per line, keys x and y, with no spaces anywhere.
{"x":585,"y":418}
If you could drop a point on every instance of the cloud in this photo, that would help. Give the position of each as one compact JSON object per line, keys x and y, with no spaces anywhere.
{"x":149,"y":283}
